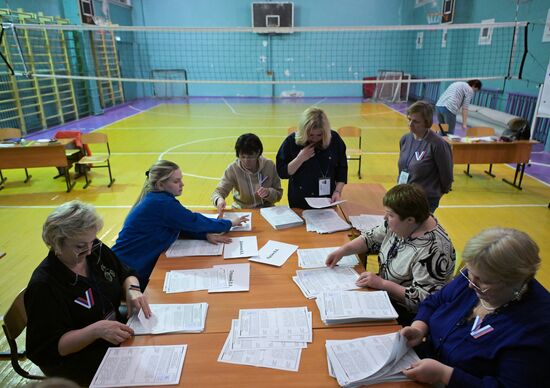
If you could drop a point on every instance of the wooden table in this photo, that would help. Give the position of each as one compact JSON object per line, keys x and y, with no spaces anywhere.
{"x":518,"y":152}
{"x":269,"y":287}
{"x":37,"y":155}
{"x":201,"y":368}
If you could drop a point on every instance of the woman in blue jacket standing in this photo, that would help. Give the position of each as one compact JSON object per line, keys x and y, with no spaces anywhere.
{"x":158,"y":219}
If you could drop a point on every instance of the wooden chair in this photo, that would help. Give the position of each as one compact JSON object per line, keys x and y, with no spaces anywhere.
{"x":478,"y":132}
{"x":443,"y":128}
{"x":96,"y":161}
{"x":291,"y":130}
{"x":12,"y":133}
{"x":15,"y":321}
{"x":353,"y":153}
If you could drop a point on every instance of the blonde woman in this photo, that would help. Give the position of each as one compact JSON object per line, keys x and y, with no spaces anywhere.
{"x":158,"y":219}
{"x":313,"y":159}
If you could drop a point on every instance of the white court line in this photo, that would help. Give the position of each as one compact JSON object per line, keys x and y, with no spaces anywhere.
{"x":540,"y":164}
{"x":139,"y":111}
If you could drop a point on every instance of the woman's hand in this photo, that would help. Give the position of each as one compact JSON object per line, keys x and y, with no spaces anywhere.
{"x":336,"y":196}
{"x":238,"y":221}
{"x":262,"y":192}
{"x":306,"y":153}
{"x":220,"y":205}
{"x":333,"y":258}
{"x":136,"y":301}
{"x":215,"y":238}
{"x":429,"y":371}
{"x":112,"y":331}
{"x":413,"y":335}
{"x":371,"y":280}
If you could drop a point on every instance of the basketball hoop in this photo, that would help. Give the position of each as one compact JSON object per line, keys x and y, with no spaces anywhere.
{"x":433,"y":17}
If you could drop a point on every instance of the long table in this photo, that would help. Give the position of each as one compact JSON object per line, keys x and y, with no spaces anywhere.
{"x":37,"y":155}
{"x":269,"y":287}
{"x":518,"y":152}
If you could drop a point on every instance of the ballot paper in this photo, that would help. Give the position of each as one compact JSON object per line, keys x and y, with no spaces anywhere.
{"x":269,"y":338}
{"x":324,"y":221}
{"x":245,"y":227}
{"x":170,"y":318}
{"x":366,"y":222}
{"x":195,"y":280}
{"x":281,"y":217}
{"x":274,"y":253}
{"x":133,"y":366}
{"x":315,"y":281}
{"x":238,"y":278}
{"x":317,"y":257}
{"x":322,"y":202}
{"x":185,"y":248}
{"x":369,"y":360}
{"x":241,"y":247}
{"x":337,"y":307}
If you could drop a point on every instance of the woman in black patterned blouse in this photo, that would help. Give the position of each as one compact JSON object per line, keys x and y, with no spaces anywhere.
{"x":415,"y":255}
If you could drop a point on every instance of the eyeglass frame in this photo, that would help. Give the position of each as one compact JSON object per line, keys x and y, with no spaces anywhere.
{"x":481,"y":290}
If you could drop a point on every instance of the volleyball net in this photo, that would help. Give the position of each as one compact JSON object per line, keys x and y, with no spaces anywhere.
{"x":53,"y":73}
{"x":241,"y":55}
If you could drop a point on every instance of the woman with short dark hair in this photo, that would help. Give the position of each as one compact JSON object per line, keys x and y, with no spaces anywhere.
{"x":415,"y":255}
{"x":252,"y":178}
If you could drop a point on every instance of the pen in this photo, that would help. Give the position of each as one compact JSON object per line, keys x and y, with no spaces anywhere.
{"x":263,"y":179}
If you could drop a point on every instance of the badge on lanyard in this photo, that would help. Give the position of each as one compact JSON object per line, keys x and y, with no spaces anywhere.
{"x":478,"y":330}
{"x":324,"y":186}
{"x":403,"y":177}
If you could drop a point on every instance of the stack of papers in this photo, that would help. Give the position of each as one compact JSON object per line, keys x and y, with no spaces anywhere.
{"x":220,"y":278}
{"x":268,"y":338}
{"x":246,"y":227}
{"x":366,"y":222}
{"x":322,"y":202}
{"x":274,"y":253}
{"x":337,"y":307}
{"x":324,"y":221}
{"x":369,"y":360}
{"x":140,"y":365}
{"x":185,"y":248}
{"x":480,"y":139}
{"x":281,"y":217}
{"x":313,"y":282}
{"x":170,"y":318}
{"x":316,"y":258}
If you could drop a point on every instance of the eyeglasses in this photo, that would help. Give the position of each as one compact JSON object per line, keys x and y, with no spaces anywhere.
{"x":481,"y":290}
{"x":95,"y":248}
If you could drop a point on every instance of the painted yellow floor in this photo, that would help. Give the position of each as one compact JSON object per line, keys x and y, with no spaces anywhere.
{"x":200,"y":138}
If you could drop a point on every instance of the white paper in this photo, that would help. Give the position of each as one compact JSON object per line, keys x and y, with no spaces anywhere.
{"x":324,"y":221}
{"x":241,"y":247}
{"x":281,"y":217}
{"x":288,"y":324}
{"x":238,"y":278}
{"x":354,"y":306}
{"x":369,"y":360}
{"x":316,"y":258}
{"x":171,"y":318}
{"x":184,"y":248}
{"x":243,"y":343}
{"x":274,"y":253}
{"x":366,"y":222}
{"x":194,"y":280}
{"x":140,"y":365}
{"x":316,"y":281}
{"x":322,"y":202}
{"x":246,"y":227}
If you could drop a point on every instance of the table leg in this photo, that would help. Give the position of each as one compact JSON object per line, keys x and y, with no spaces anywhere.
{"x":520,"y":168}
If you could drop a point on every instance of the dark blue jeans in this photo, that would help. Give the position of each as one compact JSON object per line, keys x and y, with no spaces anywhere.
{"x":433,"y":203}
{"x":445,"y":116}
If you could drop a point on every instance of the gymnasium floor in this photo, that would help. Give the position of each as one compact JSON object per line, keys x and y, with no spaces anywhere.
{"x":199,"y":135}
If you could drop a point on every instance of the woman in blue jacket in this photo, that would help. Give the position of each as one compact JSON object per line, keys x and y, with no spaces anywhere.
{"x":158,"y":219}
{"x":490,"y":327}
